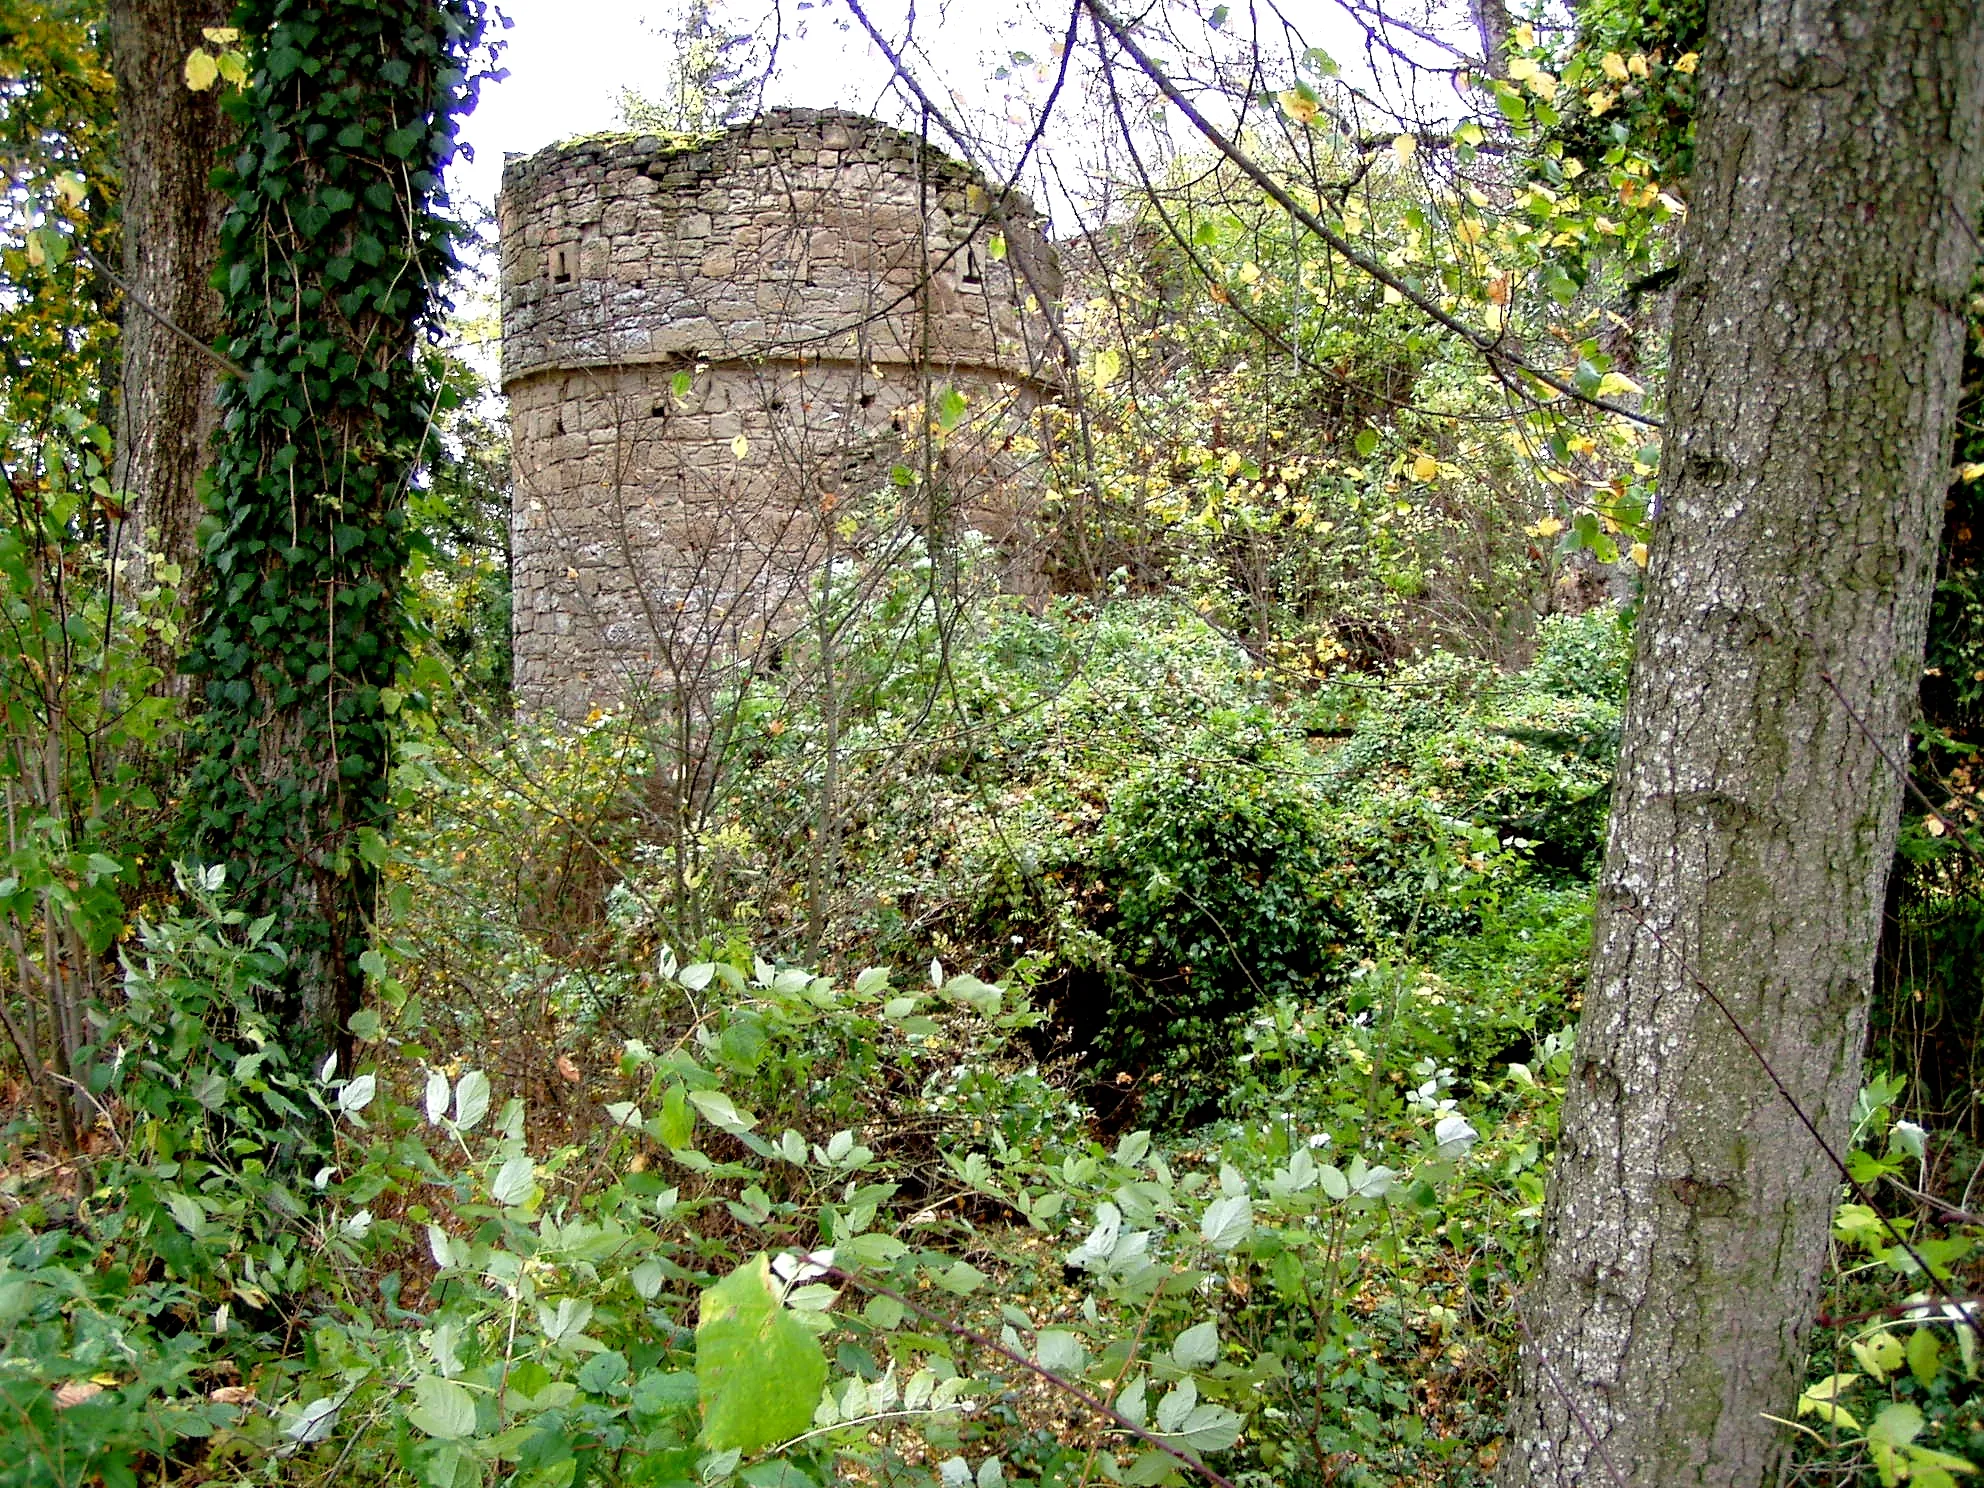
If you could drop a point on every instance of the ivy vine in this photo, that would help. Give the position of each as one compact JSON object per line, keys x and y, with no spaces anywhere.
{"x":334,"y":260}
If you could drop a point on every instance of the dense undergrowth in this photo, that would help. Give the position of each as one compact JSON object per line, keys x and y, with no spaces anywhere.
{"x":1241,"y":1160}
{"x":1117,"y":1040}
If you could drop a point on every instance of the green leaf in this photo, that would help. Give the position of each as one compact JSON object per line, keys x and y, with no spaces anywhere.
{"x":1059,"y":1351}
{"x":186,"y":1209}
{"x":656,"y":1393}
{"x":1197,"y":1346}
{"x":962,"y":1279}
{"x":513,"y":1182}
{"x":950,"y":408}
{"x":603,"y":1372}
{"x":442,"y":1408}
{"x":758,"y":1372}
{"x":678,"y":1122}
{"x":1897,"y":1424}
{"x":1227,"y":1222}
{"x":722,"y":1111}
{"x":471,"y":1099}
{"x":1152,"y":1469}
{"x":1925,"y":1356}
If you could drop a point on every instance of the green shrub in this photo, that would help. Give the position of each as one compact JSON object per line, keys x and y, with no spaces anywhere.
{"x":1225,"y":893}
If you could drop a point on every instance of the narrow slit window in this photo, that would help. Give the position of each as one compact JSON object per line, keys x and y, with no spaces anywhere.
{"x":972,"y":273}
{"x":561,"y":266}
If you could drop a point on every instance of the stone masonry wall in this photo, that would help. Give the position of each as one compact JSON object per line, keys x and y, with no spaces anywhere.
{"x":714,"y":353}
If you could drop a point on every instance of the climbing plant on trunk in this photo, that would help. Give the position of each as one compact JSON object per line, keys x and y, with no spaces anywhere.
{"x":334,"y":256}
{"x":1818,"y":333}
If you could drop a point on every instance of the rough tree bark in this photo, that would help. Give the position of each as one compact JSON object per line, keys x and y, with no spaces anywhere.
{"x":1817,"y":339}
{"x":169,"y":139}
{"x":1491,"y":20}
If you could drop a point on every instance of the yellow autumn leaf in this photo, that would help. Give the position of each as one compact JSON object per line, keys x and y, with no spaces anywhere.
{"x":1424,"y":468}
{"x":1617,"y":382}
{"x":1523,"y":67}
{"x":221,"y":35}
{"x":201,"y":70}
{"x":1639,"y":554}
{"x":1615,"y":67}
{"x":1525,"y":35}
{"x":740,"y":446}
{"x":1404,"y":147}
{"x":72,"y":188}
{"x":1249,"y":272}
{"x":1969,"y":472}
{"x":1687,"y":62}
{"x":1299,"y":106}
{"x":1544,"y":86}
{"x":1548,"y":527}
{"x":37,"y":254}
{"x":1637,"y":66}
{"x":1599,"y":101}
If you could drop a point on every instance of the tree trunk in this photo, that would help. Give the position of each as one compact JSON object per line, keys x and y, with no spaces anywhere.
{"x":170,"y":139}
{"x":1491,"y":19}
{"x":1817,"y":338}
{"x":337,"y":253}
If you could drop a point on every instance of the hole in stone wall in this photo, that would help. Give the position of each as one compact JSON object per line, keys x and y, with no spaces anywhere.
{"x":867,"y":400}
{"x":561,"y":266}
{"x":660,"y":410}
{"x":972,"y":273}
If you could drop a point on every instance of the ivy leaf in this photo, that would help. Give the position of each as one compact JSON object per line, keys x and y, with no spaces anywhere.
{"x":758,"y":1372}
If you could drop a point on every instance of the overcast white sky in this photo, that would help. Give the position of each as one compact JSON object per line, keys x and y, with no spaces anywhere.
{"x":569,"y":59}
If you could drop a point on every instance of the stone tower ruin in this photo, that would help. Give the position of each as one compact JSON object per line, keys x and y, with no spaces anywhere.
{"x":715,"y":353}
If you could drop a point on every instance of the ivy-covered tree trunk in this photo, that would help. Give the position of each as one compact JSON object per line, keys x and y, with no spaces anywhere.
{"x":334,"y":255}
{"x":1817,"y":338}
{"x":169,"y":141}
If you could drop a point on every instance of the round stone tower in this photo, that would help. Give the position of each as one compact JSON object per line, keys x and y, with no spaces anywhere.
{"x":717,"y":353}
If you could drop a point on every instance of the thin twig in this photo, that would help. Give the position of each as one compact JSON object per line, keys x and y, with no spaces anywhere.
{"x":1570,"y":1401}
{"x":1490,"y":347}
{"x":231,"y":367}
{"x":1832,"y":1155}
